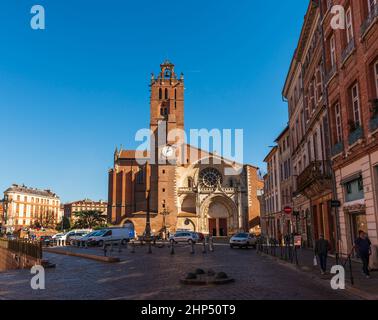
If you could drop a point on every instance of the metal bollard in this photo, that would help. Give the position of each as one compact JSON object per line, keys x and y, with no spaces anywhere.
{"x":172,"y":247}
{"x":204,"y":246}
{"x":133,"y":247}
{"x":192,"y":247}
{"x":211,"y":244}
{"x":119,"y":246}
{"x":111,"y":246}
{"x":105,"y":249}
{"x":149,"y":247}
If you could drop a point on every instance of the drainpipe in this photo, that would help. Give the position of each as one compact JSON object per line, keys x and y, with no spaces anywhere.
{"x":325,"y":90}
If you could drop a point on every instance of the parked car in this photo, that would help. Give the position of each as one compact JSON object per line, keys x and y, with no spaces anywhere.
{"x":11,"y":237}
{"x":46,"y":240}
{"x":66,"y":237}
{"x":77,"y":235}
{"x":57,"y":236}
{"x":188,"y":237}
{"x":112,"y":235}
{"x":84,"y":239}
{"x":201,"y":236}
{"x":243,"y":240}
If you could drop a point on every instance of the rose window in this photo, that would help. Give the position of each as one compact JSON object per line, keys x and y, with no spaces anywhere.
{"x":210,"y":178}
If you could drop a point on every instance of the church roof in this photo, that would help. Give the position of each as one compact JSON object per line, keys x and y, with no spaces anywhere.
{"x":133,"y":154}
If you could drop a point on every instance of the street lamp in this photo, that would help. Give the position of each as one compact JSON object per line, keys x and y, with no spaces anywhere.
{"x":164,"y":213}
{"x":148,"y":224}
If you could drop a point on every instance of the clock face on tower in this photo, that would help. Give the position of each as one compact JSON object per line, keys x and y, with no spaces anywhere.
{"x":168,"y":152}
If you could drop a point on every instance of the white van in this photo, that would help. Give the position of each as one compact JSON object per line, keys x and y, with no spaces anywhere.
{"x":111,"y":235}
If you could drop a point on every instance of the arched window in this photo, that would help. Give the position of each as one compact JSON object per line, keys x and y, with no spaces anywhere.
{"x":175,"y":94}
{"x":190,"y":182}
{"x":140,"y":177}
{"x":160,"y":94}
{"x":166,"y":94}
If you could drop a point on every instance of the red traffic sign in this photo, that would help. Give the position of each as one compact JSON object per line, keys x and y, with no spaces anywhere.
{"x":288,"y":210}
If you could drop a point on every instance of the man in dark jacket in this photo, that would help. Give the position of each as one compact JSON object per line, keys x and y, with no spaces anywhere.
{"x":363,"y":248}
{"x":321,"y":250}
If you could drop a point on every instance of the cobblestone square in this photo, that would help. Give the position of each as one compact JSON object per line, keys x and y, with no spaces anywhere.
{"x":156,"y":276}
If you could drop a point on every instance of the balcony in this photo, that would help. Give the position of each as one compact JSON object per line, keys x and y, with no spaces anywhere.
{"x":337,"y":149}
{"x":355,"y":135}
{"x":315,"y":179}
{"x":373,"y":124}
{"x":369,"y":21}
{"x":348,"y":51}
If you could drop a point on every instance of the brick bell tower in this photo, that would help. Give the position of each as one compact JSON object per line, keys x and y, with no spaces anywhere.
{"x":167,"y":113}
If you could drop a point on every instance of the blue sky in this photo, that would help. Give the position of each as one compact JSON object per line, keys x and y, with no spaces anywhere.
{"x":73,"y":92}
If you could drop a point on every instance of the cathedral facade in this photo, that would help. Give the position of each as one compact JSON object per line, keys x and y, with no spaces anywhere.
{"x":182,"y":187}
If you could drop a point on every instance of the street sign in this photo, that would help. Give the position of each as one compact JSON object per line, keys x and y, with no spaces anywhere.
{"x":298,"y":241}
{"x":335,"y":204}
{"x":288,"y":210}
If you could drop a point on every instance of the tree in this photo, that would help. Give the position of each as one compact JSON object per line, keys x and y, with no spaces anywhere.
{"x":90,"y":219}
{"x":64,"y":224}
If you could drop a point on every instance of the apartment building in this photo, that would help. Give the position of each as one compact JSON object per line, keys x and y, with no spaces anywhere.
{"x":28,"y":207}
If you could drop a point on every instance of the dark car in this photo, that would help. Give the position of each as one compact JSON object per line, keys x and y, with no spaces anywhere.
{"x":46,"y":240}
{"x":201,"y":236}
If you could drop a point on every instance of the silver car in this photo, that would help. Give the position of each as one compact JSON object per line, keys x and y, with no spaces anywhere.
{"x":243,"y":240}
{"x":184,"y":236}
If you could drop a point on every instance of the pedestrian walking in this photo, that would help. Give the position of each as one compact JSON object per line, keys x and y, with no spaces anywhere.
{"x":321,"y":251}
{"x":362,"y":245}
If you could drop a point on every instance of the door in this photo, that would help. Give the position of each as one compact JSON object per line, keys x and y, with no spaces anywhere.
{"x":223,"y":227}
{"x":213,"y":227}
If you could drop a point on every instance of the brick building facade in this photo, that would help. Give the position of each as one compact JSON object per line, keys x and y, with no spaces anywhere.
{"x":332,"y":94}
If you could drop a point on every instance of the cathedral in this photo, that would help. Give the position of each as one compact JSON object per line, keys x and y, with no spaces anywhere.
{"x":194,"y":194}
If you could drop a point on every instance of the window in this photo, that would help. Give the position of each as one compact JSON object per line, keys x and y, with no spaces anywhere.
{"x":338,"y":123}
{"x":140,"y":177}
{"x":349,"y":25}
{"x":319,"y":89}
{"x":376,"y":78}
{"x":371,"y":5}
{"x":354,"y":190}
{"x":333,"y":50}
{"x":160,"y":94}
{"x":356,"y":105}
{"x":166,"y":94}
{"x":190,"y":182}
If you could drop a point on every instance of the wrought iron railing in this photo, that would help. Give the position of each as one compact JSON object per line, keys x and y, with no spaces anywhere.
{"x":331,"y":73}
{"x":337,"y":149}
{"x":32,"y":249}
{"x":356,"y":135}
{"x":348,"y":50}
{"x":316,"y":171}
{"x":371,"y":18}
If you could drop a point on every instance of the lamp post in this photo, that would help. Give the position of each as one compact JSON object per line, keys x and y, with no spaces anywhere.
{"x":148,"y":224}
{"x":164,"y":213}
